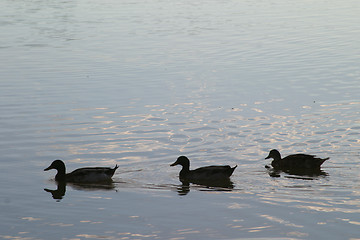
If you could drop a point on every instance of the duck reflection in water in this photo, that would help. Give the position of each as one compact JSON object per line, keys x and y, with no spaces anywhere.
{"x":59,"y":193}
{"x":304,"y":174}
{"x":210,"y":176}
{"x":223,"y":185}
{"x":296,"y":164}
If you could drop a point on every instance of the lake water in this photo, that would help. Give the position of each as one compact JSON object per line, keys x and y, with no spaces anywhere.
{"x":139,"y":83}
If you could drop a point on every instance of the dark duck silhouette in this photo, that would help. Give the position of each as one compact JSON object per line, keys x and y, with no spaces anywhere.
{"x":206,"y":174}
{"x":82,"y":175}
{"x":295,"y":161}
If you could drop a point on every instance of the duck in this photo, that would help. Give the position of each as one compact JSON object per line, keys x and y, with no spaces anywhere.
{"x":82,"y":175}
{"x":208,"y":173}
{"x":295,"y":161}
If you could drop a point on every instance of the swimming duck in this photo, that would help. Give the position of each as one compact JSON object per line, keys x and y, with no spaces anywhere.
{"x":82,"y":175}
{"x":209,"y":173}
{"x":295,"y":161}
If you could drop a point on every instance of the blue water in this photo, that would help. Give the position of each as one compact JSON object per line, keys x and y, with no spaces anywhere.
{"x":139,"y":83}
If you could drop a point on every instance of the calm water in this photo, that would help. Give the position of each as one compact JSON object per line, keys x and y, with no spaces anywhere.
{"x":138,"y":83}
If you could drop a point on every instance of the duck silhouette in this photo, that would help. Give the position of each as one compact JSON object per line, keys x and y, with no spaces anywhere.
{"x":204,"y":174}
{"x":82,"y":175}
{"x":295,"y":161}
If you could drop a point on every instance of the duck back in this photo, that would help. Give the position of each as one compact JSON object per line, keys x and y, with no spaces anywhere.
{"x":94,"y":174}
{"x":299,"y":161}
{"x":209,"y":173}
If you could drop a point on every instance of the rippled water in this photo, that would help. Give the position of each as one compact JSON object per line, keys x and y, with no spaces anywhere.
{"x":138,"y":83}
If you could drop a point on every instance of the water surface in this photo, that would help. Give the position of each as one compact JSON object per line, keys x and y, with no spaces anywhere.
{"x":139,"y":83}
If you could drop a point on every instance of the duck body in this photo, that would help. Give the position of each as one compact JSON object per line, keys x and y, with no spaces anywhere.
{"x":209,"y":173}
{"x":295,"y":161}
{"x":82,"y":175}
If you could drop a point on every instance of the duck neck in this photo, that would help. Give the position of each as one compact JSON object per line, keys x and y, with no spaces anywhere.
{"x":61,"y":175}
{"x":277,"y":156}
{"x":276,"y":163}
{"x":185,"y":169}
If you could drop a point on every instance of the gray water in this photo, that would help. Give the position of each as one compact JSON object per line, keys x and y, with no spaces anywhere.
{"x":139,"y":83}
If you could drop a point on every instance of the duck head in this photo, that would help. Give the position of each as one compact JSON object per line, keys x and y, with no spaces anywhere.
{"x":183,"y":161}
{"x":58,"y":165}
{"x":275,"y":154}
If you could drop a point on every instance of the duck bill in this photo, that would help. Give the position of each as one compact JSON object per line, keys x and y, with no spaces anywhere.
{"x":268,"y":157}
{"x":48,"y":168}
{"x":174,"y":164}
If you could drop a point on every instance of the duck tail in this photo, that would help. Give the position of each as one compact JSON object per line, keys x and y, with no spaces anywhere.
{"x":232,"y":170}
{"x":116,"y":167}
{"x":319,"y":162}
{"x":322,"y":160}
